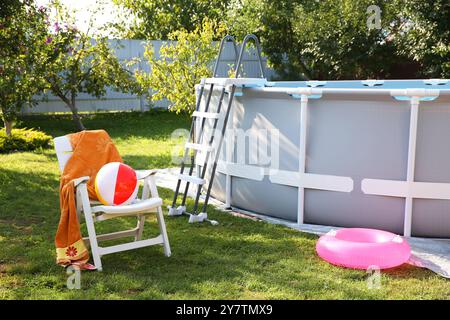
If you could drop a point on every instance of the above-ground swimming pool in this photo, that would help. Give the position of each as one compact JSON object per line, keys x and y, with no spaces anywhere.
{"x":372,"y":154}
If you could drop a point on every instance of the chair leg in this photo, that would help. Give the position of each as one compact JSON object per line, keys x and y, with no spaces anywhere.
{"x":90,"y":227}
{"x":151,"y":183}
{"x":162,"y":228}
{"x":140,"y":227}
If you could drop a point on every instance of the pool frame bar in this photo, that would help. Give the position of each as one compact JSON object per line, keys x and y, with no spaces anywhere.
{"x":408,"y":189}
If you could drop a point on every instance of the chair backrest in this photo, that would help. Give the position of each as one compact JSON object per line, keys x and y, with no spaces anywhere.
{"x":63,"y":150}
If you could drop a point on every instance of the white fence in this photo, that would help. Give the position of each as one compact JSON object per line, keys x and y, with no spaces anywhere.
{"x":116,"y":101}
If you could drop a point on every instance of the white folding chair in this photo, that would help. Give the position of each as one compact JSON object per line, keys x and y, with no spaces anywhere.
{"x":93,"y":211}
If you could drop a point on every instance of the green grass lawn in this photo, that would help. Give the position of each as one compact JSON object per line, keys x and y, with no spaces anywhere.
{"x":238,"y":259}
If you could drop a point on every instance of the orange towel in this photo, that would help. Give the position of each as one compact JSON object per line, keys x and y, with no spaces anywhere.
{"x":91,"y":150}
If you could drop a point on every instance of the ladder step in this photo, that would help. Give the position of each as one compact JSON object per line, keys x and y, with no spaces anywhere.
{"x":191,"y":179}
{"x":209,"y":115}
{"x":199,"y":147}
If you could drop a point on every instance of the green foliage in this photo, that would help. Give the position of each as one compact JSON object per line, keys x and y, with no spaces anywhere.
{"x":180,"y":67}
{"x":319,"y":39}
{"x":21,"y":77}
{"x":244,"y":16}
{"x":157,"y":19}
{"x":330,"y":39}
{"x":428,"y":38}
{"x":23,"y":140}
{"x":8,"y":7}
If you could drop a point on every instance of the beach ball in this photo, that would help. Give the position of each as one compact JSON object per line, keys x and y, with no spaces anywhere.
{"x":116,"y":184}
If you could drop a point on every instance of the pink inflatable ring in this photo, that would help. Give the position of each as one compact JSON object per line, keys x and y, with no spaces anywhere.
{"x":360,"y":248}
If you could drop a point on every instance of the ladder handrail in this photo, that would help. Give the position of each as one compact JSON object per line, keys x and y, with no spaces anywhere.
{"x":241,"y":54}
{"x":227,"y":38}
{"x":196,"y":145}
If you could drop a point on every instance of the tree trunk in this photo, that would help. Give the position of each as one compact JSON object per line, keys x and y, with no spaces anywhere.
{"x":7,"y":120}
{"x":75,"y":116}
{"x":8,"y":127}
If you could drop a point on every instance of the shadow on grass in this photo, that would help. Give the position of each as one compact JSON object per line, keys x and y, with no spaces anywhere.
{"x":120,"y":125}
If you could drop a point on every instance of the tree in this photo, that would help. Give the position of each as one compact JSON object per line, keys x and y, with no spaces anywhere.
{"x":426,"y":37}
{"x":157,"y":19}
{"x":322,"y":39}
{"x":180,"y":67}
{"x":21,"y":76}
{"x":330,"y":39}
{"x":76,"y":63}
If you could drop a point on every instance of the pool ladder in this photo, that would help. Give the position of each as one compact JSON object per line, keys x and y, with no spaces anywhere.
{"x":200,"y":142}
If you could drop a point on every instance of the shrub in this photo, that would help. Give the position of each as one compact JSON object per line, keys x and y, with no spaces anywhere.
{"x":23,"y":140}
{"x":181,"y":65}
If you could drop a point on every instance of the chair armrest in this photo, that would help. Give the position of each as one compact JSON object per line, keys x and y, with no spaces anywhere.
{"x":142,"y":174}
{"x":150,"y":189}
{"x":80,"y":180}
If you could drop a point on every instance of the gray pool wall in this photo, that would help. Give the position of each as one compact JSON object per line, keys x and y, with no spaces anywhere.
{"x":361,"y":136}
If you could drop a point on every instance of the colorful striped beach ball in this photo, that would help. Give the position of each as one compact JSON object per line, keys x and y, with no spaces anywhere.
{"x":116,"y":184}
